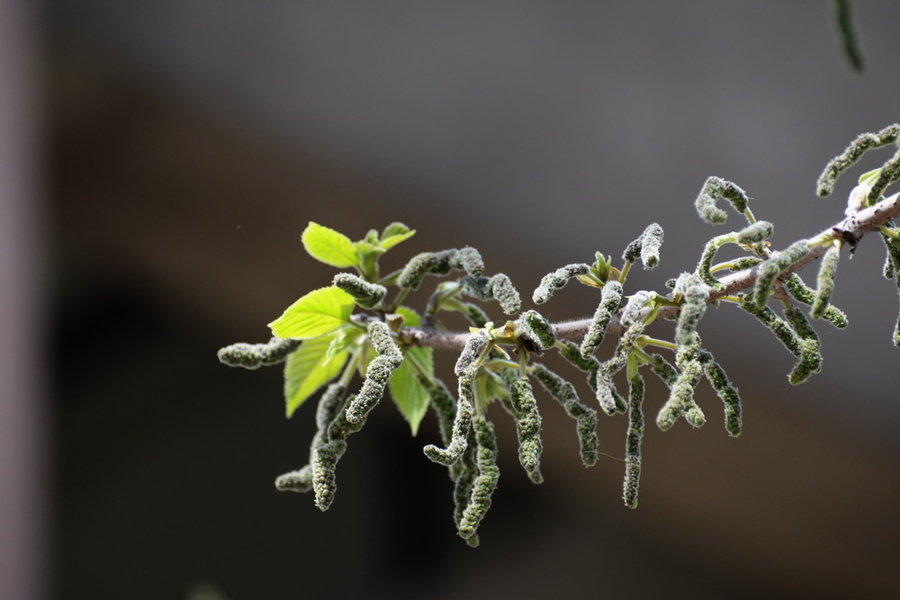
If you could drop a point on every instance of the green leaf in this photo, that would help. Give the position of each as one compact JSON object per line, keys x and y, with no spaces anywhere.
{"x":342,"y":340}
{"x":307,"y":369}
{"x":392,"y":240}
{"x":329,"y":246}
{"x":869,"y":177}
{"x":408,"y":393}
{"x":318,"y":312}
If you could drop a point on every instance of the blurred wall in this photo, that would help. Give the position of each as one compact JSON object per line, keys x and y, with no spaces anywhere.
{"x":189,"y":144}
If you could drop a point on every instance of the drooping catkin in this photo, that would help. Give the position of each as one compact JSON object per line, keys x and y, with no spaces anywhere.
{"x":253,"y":356}
{"x":609,"y":399}
{"x":443,"y":404}
{"x":825,"y":281}
{"x":849,"y":157}
{"x":498,"y":287}
{"x":528,"y":428}
{"x":556,"y":280}
{"x":663,"y":369}
{"x":778,"y":326}
{"x":463,"y":473}
{"x":330,"y":404}
{"x":723,"y":387}
{"x":810,"y":351}
{"x":610,"y":298}
{"x":365,"y":294}
{"x":585,"y":418}
{"x":378,"y":372}
{"x":646,"y":247}
{"x":485,"y":483}
{"x":890,"y":173}
{"x":538,"y":328}
{"x":461,"y":424}
{"x":806,"y":349}
{"x":425,"y":263}
{"x":295,"y":481}
{"x":468,"y":259}
{"x":843,"y":20}
{"x":681,"y":397}
{"x":769,"y":271}
{"x":752,"y":234}
{"x":805,"y":294}
{"x":633,"y":441}
{"x":713,"y":189}
{"x":476,"y":345}
{"x":324,"y":463}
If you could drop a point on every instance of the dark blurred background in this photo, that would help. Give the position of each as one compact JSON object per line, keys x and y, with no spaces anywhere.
{"x":160,"y":160}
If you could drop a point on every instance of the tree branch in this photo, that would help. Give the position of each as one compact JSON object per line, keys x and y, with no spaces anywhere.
{"x":853,"y":227}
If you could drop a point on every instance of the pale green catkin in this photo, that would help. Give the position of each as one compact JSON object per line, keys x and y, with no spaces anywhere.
{"x":807,"y":350}
{"x":631,"y":312}
{"x":607,"y":396}
{"x":365,"y":294}
{"x":330,"y":404}
{"x":556,"y":280}
{"x":295,"y":481}
{"x":745,"y":262}
{"x":805,"y":294}
{"x":610,"y":298}
{"x":825,"y":281}
{"x":461,"y":424}
{"x":752,"y":234}
{"x":695,"y":295}
{"x":476,"y":345}
{"x":253,"y":356}
{"x":468,"y":259}
{"x":681,"y":397}
{"x":713,"y":189}
{"x":633,"y":441}
{"x":484,"y":485}
{"x":769,"y":271}
{"x":528,"y":428}
{"x":585,"y":418}
{"x":324,"y":463}
{"x":890,"y":172}
{"x":463,"y":473}
{"x":646,"y":247}
{"x":663,"y":369}
{"x":843,"y":20}
{"x":443,"y":404}
{"x":849,"y":157}
{"x":810,"y":350}
{"x":539,"y":329}
{"x":426,"y":263}
{"x":499,"y":287}
{"x":892,"y":255}
{"x":378,"y":372}
{"x":723,"y":387}
{"x":586,"y":364}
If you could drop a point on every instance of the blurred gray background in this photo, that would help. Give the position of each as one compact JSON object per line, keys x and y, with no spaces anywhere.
{"x":185,"y":145}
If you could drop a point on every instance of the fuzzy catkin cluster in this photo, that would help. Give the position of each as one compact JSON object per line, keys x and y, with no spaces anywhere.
{"x":539,"y":329}
{"x":528,"y":427}
{"x":498,"y":287}
{"x":646,"y":247}
{"x":714,"y":189}
{"x":253,"y":356}
{"x":365,"y":294}
{"x":585,"y":418}
{"x":769,"y":271}
{"x":851,"y":155}
{"x":466,"y":259}
{"x":554,"y":281}
{"x":633,"y":441}
{"x":610,"y":298}
{"x":485,"y":483}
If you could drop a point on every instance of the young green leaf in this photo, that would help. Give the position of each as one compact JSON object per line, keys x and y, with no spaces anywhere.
{"x":318,"y":312}
{"x":410,"y":396}
{"x":329,"y":246}
{"x":308,"y":369}
{"x":395,"y":233}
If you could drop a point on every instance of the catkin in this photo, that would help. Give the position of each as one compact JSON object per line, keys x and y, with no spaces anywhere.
{"x":805,"y":294}
{"x":843,"y":20}
{"x":681,"y":397}
{"x":778,"y":326}
{"x":295,"y":481}
{"x":476,"y":345}
{"x":461,"y":424}
{"x":324,"y":463}
{"x":253,"y":356}
{"x":752,"y":234}
{"x":585,"y":418}
{"x":607,"y":396}
{"x":773,"y":267}
{"x":713,"y":189}
{"x":890,"y":172}
{"x":485,"y":483}
{"x":695,"y":295}
{"x":586,"y":364}
{"x":377,"y":374}
{"x":468,"y":259}
{"x":463,"y":473}
{"x":556,"y":280}
{"x":633,"y":441}
{"x":539,"y":329}
{"x":425,"y":263}
{"x":849,"y":157}
{"x":528,"y":428}
{"x":646,"y":247}
{"x":365,"y":294}
{"x":443,"y":404}
{"x":723,"y":387}
{"x":825,"y":281}
{"x":610,"y":298}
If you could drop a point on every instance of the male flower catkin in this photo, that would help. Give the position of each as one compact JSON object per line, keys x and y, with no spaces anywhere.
{"x":484,"y":485}
{"x":805,"y":294}
{"x":713,"y":189}
{"x":852,"y":154}
{"x":610,"y":298}
{"x":528,"y":428}
{"x":539,"y":329}
{"x":324,"y":463}
{"x":757,"y":232}
{"x":378,"y":372}
{"x":719,"y":381}
{"x":498,"y":287}
{"x":633,"y":441}
{"x":646,"y":247}
{"x":365,"y":294}
{"x":773,"y":267}
{"x":825,"y":281}
{"x":556,"y":280}
{"x":253,"y":356}
{"x":440,"y":263}
{"x":585,"y":418}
